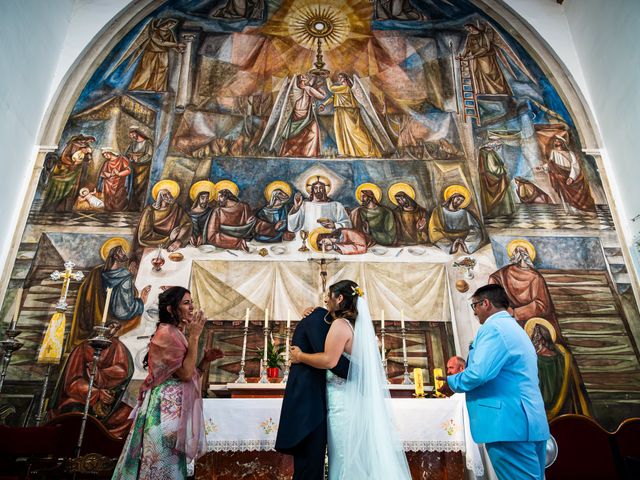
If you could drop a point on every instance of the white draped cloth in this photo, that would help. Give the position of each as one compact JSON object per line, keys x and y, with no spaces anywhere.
{"x":307,"y":217}
{"x":424,"y":425}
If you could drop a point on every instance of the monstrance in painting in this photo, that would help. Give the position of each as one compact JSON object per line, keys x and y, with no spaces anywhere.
{"x":318,"y":25}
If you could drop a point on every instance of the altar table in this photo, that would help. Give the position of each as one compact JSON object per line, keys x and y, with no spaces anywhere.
{"x":241,"y":436}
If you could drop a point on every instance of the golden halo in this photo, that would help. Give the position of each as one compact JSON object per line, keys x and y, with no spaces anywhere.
{"x":377,"y":191}
{"x":532,"y":322}
{"x":400,"y":187}
{"x":277,"y":185}
{"x":313,"y":22}
{"x":313,"y":179}
{"x":202,"y":186}
{"x":111,"y":243}
{"x":227,"y":185}
{"x":313,"y":237}
{"x":460,"y":189}
{"x":171,"y":185}
{"x":521,"y":242}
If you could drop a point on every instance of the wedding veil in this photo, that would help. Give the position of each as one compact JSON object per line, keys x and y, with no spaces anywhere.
{"x":373,"y":450}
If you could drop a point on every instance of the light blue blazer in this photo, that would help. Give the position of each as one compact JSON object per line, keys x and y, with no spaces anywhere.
{"x":501,"y":384}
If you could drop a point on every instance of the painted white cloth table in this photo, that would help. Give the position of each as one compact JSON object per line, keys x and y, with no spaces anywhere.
{"x":435,"y":425}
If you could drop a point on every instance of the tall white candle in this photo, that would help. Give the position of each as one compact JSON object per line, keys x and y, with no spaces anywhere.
{"x":288,"y":319}
{"x":246,"y":318}
{"x":266,"y":325}
{"x":16,"y":312}
{"x":401,"y":318}
{"x":286,"y":354}
{"x":266,"y":318}
{"x":107,"y":301}
{"x":382,"y":318}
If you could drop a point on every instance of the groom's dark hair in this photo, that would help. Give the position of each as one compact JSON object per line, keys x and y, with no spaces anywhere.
{"x":347,"y":308}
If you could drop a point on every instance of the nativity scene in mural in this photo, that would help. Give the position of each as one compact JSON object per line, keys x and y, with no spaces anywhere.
{"x":256,"y":151}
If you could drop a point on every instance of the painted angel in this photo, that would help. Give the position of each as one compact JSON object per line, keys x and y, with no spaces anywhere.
{"x":489,"y":53}
{"x":293,"y":126}
{"x":358,"y":130}
{"x":153,"y":44}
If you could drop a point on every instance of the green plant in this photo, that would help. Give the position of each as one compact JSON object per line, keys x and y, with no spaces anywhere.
{"x":275,"y":355}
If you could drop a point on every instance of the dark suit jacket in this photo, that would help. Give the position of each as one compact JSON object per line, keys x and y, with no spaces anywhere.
{"x":304,"y":407}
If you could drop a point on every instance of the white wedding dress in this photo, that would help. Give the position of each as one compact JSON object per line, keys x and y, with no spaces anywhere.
{"x":362,"y":439}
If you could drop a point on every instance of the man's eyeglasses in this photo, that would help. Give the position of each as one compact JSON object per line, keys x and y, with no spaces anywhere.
{"x":474,"y":304}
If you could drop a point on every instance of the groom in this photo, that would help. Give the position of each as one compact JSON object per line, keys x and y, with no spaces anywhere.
{"x":303,"y":420}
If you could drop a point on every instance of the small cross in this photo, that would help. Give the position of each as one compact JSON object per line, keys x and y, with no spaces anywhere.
{"x":66,"y":277}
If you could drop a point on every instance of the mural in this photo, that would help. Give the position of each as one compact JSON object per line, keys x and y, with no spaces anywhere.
{"x":398,"y":139}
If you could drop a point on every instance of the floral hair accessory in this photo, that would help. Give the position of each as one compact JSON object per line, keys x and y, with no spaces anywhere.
{"x":357,"y":291}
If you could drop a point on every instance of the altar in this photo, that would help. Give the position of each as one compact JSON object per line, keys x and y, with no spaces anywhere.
{"x":241,"y":435}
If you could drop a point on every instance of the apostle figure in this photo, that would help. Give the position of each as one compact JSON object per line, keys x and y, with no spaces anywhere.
{"x":345,"y":241}
{"x":567,"y":178}
{"x":115,"y":369}
{"x":488,"y":53}
{"x":560,"y":384}
{"x":357,"y":128}
{"x":164,"y":223}
{"x":396,"y":10}
{"x":451,"y":226}
{"x":271,"y":220}
{"x":529,"y":192}
{"x":153,"y":44}
{"x":139,"y":152}
{"x":496,"y":194}
{"x":114,"y":181}
{"x":526,"y":288}
{"x":411,"y":218}
{"x":371,"y":218}
{"x":236,"y":9}
{"x":296,"y":132}
{"x":125,"y":306}
{"x":202,"y":195}
{"x":231,"y":222}
{"x":317,"y":209}
{"x":64,"y":180}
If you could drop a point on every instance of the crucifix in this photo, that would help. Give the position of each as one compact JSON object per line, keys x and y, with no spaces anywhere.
{"x":323,"y":262}
{"x":51,"y":349}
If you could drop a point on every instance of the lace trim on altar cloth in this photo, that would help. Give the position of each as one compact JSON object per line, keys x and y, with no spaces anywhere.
{"x":241,"y":445}
{"x":433,"y":446}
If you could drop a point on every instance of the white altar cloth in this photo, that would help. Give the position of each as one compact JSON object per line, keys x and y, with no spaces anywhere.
{"x":425,"y":425}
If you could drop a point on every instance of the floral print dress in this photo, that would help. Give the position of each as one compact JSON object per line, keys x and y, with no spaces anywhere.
{"x":149,"y":452}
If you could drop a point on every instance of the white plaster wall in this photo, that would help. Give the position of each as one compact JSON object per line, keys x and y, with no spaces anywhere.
{"x":32,"y":33}
{"x":605,"y":36}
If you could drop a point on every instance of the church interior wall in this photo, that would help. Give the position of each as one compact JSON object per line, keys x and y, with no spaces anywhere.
{"x":215,"y":121}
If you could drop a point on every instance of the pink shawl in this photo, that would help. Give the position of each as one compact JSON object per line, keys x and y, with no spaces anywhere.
{"x":167,"y":350}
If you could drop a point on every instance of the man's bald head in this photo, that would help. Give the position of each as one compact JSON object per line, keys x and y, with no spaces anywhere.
{"x":455,"y":365}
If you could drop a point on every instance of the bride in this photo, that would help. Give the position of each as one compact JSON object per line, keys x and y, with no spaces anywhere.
{"x":363,"y":443}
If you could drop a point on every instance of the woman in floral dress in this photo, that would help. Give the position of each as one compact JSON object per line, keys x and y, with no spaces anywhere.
{"x":168,"y":429}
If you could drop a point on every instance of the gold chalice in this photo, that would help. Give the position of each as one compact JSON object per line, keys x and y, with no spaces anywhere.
{"x":303,"y":236}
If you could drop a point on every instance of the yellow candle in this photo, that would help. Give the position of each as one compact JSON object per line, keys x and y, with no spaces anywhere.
{"x":437,"y":372}
{"x":419,"y":382}
{"x":107,"y":301}
{"x":246,"y":318}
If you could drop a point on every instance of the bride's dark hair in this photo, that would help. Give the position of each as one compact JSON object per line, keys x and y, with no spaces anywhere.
{"x":349,"y":291}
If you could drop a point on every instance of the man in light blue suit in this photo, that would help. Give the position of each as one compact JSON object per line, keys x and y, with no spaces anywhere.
{"x":506,"y":411}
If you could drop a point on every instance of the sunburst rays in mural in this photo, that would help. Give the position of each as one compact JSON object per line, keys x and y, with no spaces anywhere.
{"x":315,"y":23}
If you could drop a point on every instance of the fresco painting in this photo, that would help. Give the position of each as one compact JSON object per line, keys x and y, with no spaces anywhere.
{"x":406,"y":134}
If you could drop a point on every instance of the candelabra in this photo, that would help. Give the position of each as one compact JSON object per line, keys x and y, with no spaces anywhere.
{"x":98,"y":342}
{"x":9,"y":345}
{"x":406,"y":379}
{"x":285,"y":375}
{"x":263,"y":363}
{"x":241,"y":375}
{"x":384,"y":354}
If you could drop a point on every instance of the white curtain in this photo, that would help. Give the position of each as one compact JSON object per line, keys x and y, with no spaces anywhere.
{"x":225,"y":289}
